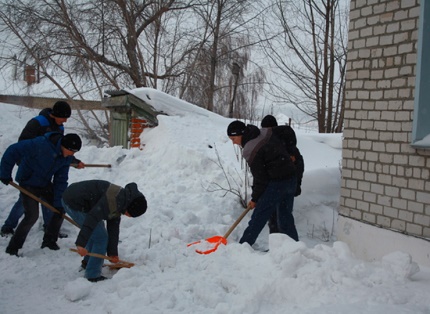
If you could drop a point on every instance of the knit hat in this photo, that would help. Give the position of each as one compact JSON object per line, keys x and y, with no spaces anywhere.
{"x":61,"y":109}
{"x":71,"y":142}
{"x":137,"y":207}
{"x":236,"y":128}
{"x":269,"y":121}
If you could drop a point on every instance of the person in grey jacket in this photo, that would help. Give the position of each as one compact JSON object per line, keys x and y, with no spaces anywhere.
{"x":274,"y":177}
{"x":91,"y":202}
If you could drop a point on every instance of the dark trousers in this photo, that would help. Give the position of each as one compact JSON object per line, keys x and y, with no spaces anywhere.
{"x":290,"y":225}
{"x":277,"y":198}
{"x":31,"y":214}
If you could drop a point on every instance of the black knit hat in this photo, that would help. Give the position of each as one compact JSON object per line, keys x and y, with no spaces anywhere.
{"x":236,"y":128}
{"x":137,"y":207}
{"x":71,"y":142}
{"x":61,"y":109}
{"x":269,"y":121}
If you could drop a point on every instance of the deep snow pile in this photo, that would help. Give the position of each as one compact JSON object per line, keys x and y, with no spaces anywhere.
{"x":177,"y":171}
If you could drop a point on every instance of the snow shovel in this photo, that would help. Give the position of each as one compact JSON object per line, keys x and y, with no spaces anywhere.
{"x":52,"y":208}
{"x":93,"y":165}
{"x":120,"y":264}
{"x":214,"y":242}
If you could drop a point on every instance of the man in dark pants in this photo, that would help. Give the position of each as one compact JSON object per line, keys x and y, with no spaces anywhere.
{"x":274,"y":177}
{"x":48,"y":120}
{"x":91,"y":202}
{"x":43,"y":170}
{"x":290,"y":143}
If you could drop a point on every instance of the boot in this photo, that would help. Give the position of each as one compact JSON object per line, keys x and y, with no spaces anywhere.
{"x":50,"y":245}
{"x":6,"y":231}
{"x":97,"y":279}
{"x":12,"y":251}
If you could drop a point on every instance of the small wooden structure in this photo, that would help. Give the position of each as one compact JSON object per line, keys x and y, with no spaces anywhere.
{"x":130,"y":115}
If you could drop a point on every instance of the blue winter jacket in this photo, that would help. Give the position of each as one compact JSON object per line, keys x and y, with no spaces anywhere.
{"x":40,"y":161}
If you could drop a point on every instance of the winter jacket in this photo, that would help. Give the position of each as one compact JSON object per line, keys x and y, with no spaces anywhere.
{"x":100,"y":200}
{"x":41,"y":161}
{"x":40,"y":125}
{"x":288,"y":137}
{"x":267,"y":158}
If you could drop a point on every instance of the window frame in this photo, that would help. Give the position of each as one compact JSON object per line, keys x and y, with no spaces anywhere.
{"x":421,"y":121}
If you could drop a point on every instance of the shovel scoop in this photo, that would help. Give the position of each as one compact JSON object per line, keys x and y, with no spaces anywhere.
{"x":211,"y":244}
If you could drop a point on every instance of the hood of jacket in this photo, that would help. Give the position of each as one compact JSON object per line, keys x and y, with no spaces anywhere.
{"x":45,"y":112}
{"x":251,"y":132}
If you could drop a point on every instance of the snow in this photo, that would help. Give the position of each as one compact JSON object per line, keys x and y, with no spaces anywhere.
{"x":179,"y":171}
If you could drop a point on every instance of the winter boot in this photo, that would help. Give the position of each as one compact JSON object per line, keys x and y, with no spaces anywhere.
{"x":11,"y":251}
{"x":6,"y":231}
{"x":62,"y":235}
{"x":97,"y":279}
{"x":50,"y":245}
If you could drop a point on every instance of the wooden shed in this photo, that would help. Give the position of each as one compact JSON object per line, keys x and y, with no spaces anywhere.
{"x":129,"y":116}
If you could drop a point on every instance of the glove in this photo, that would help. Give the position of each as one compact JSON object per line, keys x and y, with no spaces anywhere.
{"x":81,"y":250}
{"x":5,"y":180}
{"x":114,"y":259}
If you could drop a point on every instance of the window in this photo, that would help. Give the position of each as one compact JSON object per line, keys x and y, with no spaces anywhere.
{"x":421,"y":123}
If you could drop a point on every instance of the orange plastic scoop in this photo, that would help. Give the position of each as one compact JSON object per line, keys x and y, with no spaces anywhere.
{"x":211,"y":244}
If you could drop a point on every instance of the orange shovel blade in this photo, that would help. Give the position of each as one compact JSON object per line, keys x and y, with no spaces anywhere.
{"x":210,"y":244}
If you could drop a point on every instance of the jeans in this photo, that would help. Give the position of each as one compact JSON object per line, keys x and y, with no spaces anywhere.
{"x":18,"y":210}
{"x":277,"y":198}
{"x":96,"y":244}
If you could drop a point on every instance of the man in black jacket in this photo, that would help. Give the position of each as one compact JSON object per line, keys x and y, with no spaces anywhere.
{"x":274,"y":177}
{"x":287,"y":135}
{"x":48,"y":120}
{"x":91,"y":202}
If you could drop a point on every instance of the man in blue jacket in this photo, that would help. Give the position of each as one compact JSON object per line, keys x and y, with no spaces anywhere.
{"x":274,"y":177}
{"x":48,"y":120}
{"x":43,"y":170}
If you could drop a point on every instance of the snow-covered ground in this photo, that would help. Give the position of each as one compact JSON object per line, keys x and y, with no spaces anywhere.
{"x":184,"y":160}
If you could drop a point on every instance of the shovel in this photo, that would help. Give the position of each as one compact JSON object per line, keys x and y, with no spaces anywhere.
{"x":93,"y":165}
{"x":120,"y":264}
{"x":214,"y":242}
{"x":43,"y":203}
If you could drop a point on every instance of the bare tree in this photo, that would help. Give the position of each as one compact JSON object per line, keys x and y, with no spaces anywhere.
{"x":86,"y":47}
{"x":309,"y":54}
{"x":209,"y":79}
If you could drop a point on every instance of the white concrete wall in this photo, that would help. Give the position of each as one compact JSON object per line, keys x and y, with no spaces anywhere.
{"x":372,"y":243}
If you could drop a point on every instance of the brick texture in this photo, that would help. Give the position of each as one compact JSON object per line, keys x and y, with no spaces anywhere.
{"x":385,"y":182}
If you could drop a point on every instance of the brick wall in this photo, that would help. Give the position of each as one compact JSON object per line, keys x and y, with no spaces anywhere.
{"x":385,"y":182}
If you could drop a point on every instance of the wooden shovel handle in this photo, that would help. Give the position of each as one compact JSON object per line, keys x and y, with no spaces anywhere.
{"x":102,"y":256}
{"x":52,"y":208}
{"x":94,"y":165}
{"x":237,"y":222}
{"x":93,"y":254}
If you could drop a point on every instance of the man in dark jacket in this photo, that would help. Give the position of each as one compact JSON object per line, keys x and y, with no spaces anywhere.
{"x":274,"y":177}
{"x":43,"y":170}
{"x":287,"y":135}
{"x":91,"y":202}
{"x":48,"y":120}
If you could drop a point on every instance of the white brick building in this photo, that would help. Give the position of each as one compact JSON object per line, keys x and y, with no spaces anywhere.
{"x":385,"y":196}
